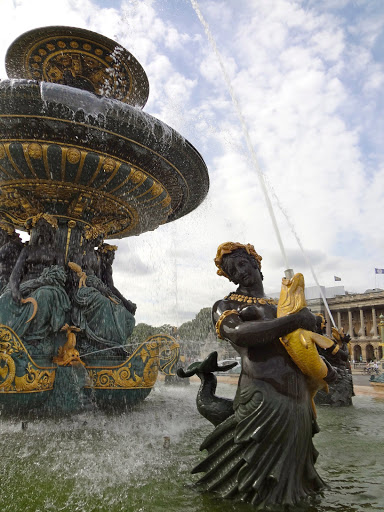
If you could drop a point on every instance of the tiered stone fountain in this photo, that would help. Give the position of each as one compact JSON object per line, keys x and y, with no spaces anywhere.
{"x":80,"y":162}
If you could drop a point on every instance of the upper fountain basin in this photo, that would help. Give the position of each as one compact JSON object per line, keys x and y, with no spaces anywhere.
{"x":79,"y":58}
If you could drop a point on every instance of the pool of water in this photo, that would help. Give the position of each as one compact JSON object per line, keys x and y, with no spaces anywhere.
{"x":99,"y":462}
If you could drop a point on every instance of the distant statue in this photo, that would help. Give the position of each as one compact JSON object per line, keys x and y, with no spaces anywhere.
{"x":261,"y":450}
{"x":35,"y":304}
{"x":10,"y":248}
{"x":91,"y":261}
{"x":341,"y":391}
{"x":97,"y":310}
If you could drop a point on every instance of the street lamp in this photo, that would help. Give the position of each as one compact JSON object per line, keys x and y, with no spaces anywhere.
{"x":381,"y":326}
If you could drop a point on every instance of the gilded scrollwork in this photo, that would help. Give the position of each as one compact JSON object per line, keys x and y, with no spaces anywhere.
{"x":35,"y":379}
{"x":169,"y":353}
{"x":125,"y":376}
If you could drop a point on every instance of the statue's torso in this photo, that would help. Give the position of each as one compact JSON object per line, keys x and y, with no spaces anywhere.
{"x":269,"y":362}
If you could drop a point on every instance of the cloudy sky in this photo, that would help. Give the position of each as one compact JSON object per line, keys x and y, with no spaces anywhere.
{"x":308,"y":77}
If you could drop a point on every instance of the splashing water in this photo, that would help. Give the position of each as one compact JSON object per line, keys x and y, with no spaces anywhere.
{"x":253,"y":156}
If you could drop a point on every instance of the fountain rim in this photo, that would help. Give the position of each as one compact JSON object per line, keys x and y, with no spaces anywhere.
{"x":117,"y":117}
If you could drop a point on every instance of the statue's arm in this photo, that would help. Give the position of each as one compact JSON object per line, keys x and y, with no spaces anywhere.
{"x":253,"y":333}
{"x":17,"y":274}
{"x":108,"y":279}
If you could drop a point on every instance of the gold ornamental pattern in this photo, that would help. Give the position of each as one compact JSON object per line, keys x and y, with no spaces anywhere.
{"x":36,"y":378}
{"x":87,"y":186}
{"x":169,"y":353}
{"x":125,"y":376}
{"x":79,"y":58}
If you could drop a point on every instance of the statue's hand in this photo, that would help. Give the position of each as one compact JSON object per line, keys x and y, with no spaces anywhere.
{"x":131,"y":306}
{"x":306,"y":319}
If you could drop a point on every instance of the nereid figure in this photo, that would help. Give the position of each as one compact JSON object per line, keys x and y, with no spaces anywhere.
{"x":97,"y":310}
{"x":263,"y":453}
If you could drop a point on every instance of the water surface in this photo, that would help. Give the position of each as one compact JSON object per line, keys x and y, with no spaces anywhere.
{"x":97,"y":462}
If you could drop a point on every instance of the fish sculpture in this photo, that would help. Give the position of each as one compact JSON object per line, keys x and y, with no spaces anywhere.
{"x":301,"y":344}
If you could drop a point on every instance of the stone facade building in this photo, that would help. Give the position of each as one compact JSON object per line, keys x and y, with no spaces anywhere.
{"x":359,"y":315}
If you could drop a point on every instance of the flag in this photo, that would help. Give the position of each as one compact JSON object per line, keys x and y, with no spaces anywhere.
{"x":379,"y":270}
{"x":337,"y":278}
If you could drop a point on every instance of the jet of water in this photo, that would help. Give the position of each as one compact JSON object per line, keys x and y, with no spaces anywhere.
{"x":253,"y":156}
{"x":251,"y":150}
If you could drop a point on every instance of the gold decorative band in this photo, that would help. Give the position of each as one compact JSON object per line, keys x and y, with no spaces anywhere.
{"x":335,"y":349}
{"x":221,"y":319}
{"x":238,"y":297}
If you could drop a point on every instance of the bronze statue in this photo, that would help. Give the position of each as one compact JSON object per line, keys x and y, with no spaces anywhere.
{"x":107,"y":256}
{"x":94,"y":299}
{"x":262,"y":453}
{"x":10,"y":248}
{"x":341,"y":391}
{"x":35,"y":304}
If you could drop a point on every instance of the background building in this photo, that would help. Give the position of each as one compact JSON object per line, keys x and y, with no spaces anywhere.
{"x":357,"y":313}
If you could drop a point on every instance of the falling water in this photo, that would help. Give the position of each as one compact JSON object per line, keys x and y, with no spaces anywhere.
{"x":251,"y":150}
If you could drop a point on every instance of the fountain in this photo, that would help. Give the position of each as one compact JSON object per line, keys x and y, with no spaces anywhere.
{"x":80,"y":163}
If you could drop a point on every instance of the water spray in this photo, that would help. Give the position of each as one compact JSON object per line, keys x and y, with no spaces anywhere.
{"x":288,"y":272}
{"x":251,"y":150}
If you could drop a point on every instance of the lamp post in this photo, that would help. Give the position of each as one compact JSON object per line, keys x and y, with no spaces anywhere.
{"x":381,"y":327}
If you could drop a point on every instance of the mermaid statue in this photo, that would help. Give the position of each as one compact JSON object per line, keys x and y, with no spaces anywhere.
{"x":261,"y":449}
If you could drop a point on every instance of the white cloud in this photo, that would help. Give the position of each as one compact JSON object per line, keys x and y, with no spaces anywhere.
{"x":309,"y":86}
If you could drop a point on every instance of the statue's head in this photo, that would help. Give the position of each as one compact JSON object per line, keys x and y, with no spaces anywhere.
{"x":95,"y":234}
{"x":320,"y":323}
{"x":229,"y":250}
{"x":7,"y":231}
{"x":41,"y":219}
{"x":42,"y":226}
{"x":108,"y":252}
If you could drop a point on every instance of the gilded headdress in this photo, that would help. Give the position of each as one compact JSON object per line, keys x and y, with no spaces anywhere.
{"x":107,"y":247}
{"x":228,"y":248}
